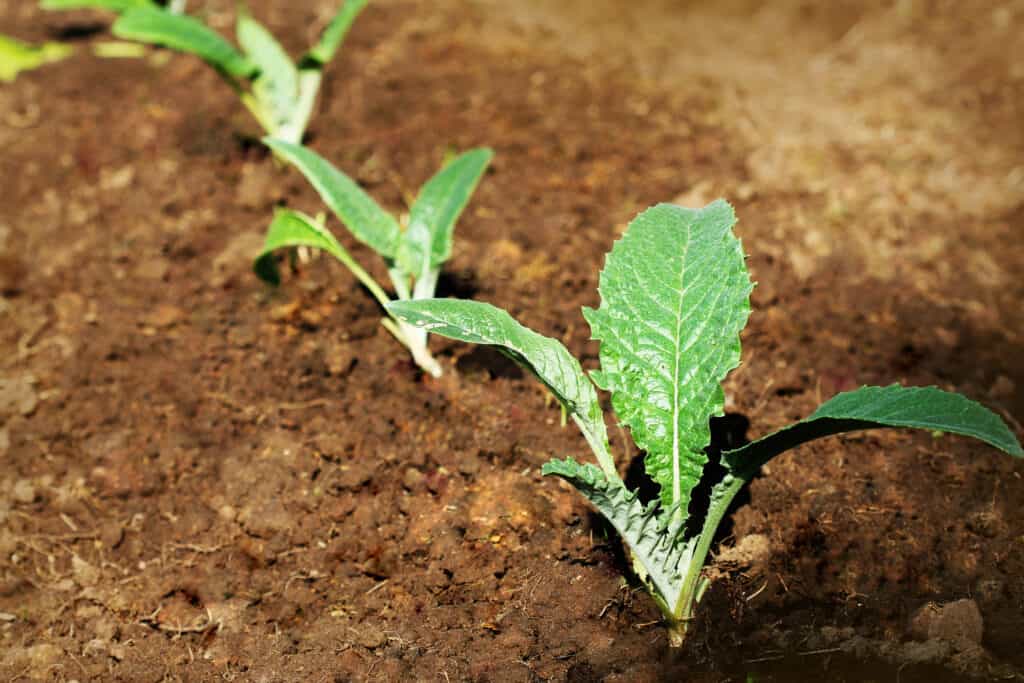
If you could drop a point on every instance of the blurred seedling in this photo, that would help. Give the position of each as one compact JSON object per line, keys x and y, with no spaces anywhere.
{"x":278,"y":92}
{"x":413,"y":252}
{"x":17,"y":56}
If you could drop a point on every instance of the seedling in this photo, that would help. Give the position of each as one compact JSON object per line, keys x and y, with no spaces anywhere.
{"x":674,"y":298}
{"x":172,"y":6}
{"x":414,"y":253}
{"x":278,"y":92}
{"x":16,"y":56}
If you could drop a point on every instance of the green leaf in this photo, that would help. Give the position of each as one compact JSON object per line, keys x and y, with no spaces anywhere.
{"x":872,"y":407}
{"x":16,"y":56}
{"x":480,"y":323}
{"x":277,"y":83}
{"x":293,"y":229}
{"x":181,"y":32}
{"x":333,"y":36}
{"x":428,"y":241}
{"x":657,"y":541}
{"x":364,"y":218}
{"x":674,"y":298}
{"x":115,"y":5}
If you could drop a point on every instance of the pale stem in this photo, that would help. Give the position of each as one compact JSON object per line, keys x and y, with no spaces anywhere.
{"x":694,"y":583}
{"x":294,"y":129}
{"x":176,"y":6}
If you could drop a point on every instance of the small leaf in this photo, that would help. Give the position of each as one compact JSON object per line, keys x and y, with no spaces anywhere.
{"x":365,"y":219}
{"x":674,"y":298}
{"x":115,"y":5}
{"x":872,"y":407}
{"x":428,"y":241}
{"x":293,"y":229}
{"x":480,"y":323}
{"x":333,"y":36}
{"x":277,"y":83}
{"x":181,"y":32}
{"x":656,"y":540}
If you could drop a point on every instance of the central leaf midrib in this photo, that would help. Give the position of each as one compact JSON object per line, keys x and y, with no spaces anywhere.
{"x":676,"y":486}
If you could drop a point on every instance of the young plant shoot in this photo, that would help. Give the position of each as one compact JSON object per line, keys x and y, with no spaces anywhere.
{"x":278,"y":92}
{"x":674,"y":298}
{"x":414,"y":253}
{"x":172,"y":6}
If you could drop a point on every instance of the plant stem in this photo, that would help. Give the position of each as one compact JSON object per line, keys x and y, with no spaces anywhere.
{"x":176,"y":6}
{"x":694,"y":583}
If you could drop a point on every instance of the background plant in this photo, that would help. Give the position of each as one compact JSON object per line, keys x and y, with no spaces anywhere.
{"x":279,"y":93}
{"x":17,"y":56}
{"x":173,"y":6}
{"x":675,"y":296}
{"x":414,"y":253}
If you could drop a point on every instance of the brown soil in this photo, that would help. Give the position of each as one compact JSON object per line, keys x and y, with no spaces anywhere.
{"x":205,"y":479}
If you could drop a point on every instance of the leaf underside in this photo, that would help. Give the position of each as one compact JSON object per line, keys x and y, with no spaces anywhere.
{"x":277,"y":83}
{"x":480,"y":323}
{"x":674,"y":298}
{"x":180,"y":32}
{"x":293,"y":229}
{"x":364,"y":218}
{"x":428,"y":242}
{"x":655,"y":541}
{"x":873,"y":407}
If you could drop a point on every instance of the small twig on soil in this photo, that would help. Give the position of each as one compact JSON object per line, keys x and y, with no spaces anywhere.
{"x":377,"y":587}
{"x":757,"y":592}
{"x":305,"y":404}
{"x":766,"y":658}
{"x":824,"y":651}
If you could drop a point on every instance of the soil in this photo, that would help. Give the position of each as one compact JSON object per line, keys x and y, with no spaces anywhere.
{"x":208,"y":479}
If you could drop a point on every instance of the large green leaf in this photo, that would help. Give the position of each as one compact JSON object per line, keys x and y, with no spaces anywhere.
{"x":428,"y":241}
{"x":277,"y":83}
{"x":480,"y":323}
{"x":872,"y":407}
{"x":365,"y":219}
{"x":181,"y":32}
{"x":657,"y":540}
{"x":334,"y":34}
{"x":674,"y":298}
{"x":115,"y":5}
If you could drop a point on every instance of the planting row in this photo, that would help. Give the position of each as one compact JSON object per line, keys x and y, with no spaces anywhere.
{"x":674,"y":298}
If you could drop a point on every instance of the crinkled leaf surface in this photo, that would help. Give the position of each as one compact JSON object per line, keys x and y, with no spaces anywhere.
{"x":655,"y":541}
{"x":364,"y":218}
{"x":428,"y":241}
{"x":334,"y":34}
{"x":674,"y":298}
{"x":277,"y":84}
{"x":181,"y":32}
{"x":871,"y":407}
{"x":480,"y":323}
{"x":293,"y":229}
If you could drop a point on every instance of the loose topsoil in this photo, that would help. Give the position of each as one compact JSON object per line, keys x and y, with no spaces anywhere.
{"x":208,"y":479}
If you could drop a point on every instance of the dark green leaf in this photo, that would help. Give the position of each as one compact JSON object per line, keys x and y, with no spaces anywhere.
{"x":674,"y":298}
{"x":872,"y":407}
